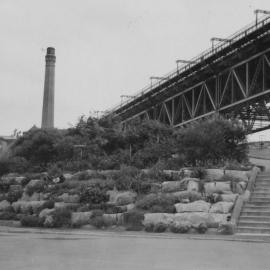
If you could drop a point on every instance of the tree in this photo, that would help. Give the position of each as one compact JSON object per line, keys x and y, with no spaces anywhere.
{"x":212,"y":140}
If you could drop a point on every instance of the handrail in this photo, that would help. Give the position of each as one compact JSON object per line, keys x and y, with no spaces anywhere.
{"x":196,"y":60}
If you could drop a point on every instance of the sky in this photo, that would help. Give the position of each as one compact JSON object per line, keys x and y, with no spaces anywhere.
{"x":104,"y":49}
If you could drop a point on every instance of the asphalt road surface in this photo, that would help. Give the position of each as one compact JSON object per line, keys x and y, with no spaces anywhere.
{"x":28,"y":251}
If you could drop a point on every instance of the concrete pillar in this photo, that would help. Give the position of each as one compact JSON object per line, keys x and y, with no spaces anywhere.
{"x":48,"y":98}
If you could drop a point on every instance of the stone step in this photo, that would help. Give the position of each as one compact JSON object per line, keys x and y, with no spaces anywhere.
{"x":261,"y":193}
{"x":262,"y":189}
{"x":263,"y":198}
{"x":259,"y":202}
{"x":257,"y":208}
{"x":253,"y":230}
{"x":254,"y":224}
{"x":256,"y":203}
{"x":254,"y":213}
{"x":257,"y":218}
{"x":262,"y":182}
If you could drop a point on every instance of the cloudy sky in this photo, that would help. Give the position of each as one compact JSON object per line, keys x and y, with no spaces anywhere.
{"x":104,"y":49}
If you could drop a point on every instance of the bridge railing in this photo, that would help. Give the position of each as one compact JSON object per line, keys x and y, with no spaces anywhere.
{"x":197,"y":59}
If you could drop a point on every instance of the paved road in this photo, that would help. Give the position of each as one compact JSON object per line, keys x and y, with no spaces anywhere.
{"x":98,"y":251}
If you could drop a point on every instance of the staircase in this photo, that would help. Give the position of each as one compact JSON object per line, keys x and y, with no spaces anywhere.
{"x":255,"y":216}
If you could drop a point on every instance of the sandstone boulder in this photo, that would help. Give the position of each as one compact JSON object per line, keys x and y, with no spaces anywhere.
{"x":186,"y":196}
{"x":113,"y":219}
{"x":4,"y":205}
{"x":217,"y":187}
{"x":155,"y":218}
{"x":172,"y":186}
{"x":197,"y":206}
{"x":15,"y":188}
{"x":193,"y":184}
{"x":121,"y":198}
{"x":45,"y":212}
{"x":19,"y":180}
{"x":34,"y":197}
{"x":221,"y":207}
{"x":63,"y":205}
{"x":80,"y":218}
{"x":229,"y":197}
{"x":65,"y":197}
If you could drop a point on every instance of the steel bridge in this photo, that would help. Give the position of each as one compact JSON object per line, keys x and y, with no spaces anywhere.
{"x":231,"y":78}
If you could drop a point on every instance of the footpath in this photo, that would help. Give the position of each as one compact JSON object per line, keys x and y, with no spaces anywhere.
{"x":128,"y":234}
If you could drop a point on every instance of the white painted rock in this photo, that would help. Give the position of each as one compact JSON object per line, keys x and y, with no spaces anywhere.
{"x":221,"y":207}
{"x":197,"y":206}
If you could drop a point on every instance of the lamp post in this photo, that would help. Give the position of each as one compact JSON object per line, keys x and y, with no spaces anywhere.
{"x":180,"y":61}
{"x":158,"y":78}
{"x":125,"y":96}
{"x":220,"y":40}
{"x":260,"y":11}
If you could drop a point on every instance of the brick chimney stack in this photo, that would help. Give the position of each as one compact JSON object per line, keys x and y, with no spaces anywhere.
{"x":48,"y":98}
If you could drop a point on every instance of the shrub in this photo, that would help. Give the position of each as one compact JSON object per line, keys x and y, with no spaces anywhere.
{"x":198,"y":172}
{"x":13,"y":196}
{"x":226,"y":228}
{"x":4,"y":187}
{"x":157,"y":203}
{"x":149,"y":227}
{"x":31,"y":221}
{"x":4,"y":167}
{"x":61,"y":218}
{"x":98,"y":222}
{"x":133,"y":220}
{"x":160,"y":227}
{"x":180,"y":227}
{"x":38,"y":187}
{"x":93,"y":194}
{"x":202,"y":228}
{"x":8,"y":215}
{"x":48,"y":204}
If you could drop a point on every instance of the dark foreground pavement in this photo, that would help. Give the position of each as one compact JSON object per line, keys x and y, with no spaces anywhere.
{"x":98,"y":250}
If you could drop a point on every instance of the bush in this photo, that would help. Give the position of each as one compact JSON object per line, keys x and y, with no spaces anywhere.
{"x":226,"y":228}
{"x":157,"y":203}
{"x":31,"y":221}
{"x":98,"y":222}
{"x":4,"y":167}
{"x":160,"y":227}
{"x":4,"y":187}
{"x":61,"y":218}
{"x":180,"y":227}
{"x":13,"y":196}
{"x":202,"y":228}
{"x":94,"y":194}
{"x":198,"y":172}
{"x":38,"y":187}
{"x":8,"y":215}
{"x":48,"y":205}
{"x":133,"y":220}
{"x":149,"y":227}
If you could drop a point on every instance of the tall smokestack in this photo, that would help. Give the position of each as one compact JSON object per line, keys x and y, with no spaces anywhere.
{"x":48,"y":98}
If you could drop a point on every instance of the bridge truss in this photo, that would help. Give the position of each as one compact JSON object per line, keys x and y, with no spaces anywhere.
{"x":232,"y":79}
